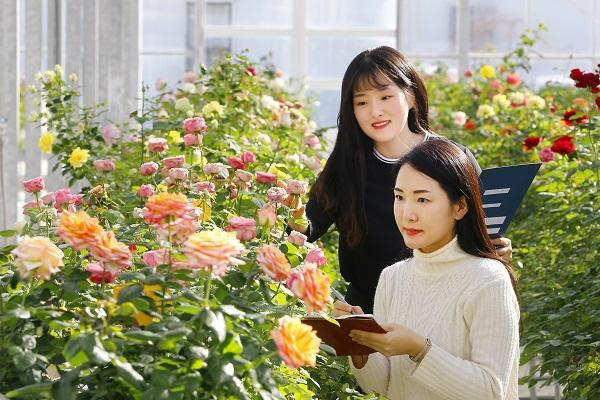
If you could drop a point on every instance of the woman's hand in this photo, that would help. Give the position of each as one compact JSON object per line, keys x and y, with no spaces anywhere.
{"x":341,"y":308}
{"x":398,"y":340}
{"x":503,"y":248}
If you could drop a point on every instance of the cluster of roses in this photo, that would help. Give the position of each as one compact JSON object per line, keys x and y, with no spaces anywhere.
{"x":589,"y":80}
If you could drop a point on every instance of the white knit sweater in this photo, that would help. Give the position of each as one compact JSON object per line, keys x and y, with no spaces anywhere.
{"x":467,"y":307}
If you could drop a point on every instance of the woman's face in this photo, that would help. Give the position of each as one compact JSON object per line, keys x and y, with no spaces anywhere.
{"x":382,"y":114}
{"x":424,"y":213}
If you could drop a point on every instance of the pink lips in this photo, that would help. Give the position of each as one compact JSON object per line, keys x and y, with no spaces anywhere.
{"x":412,"y":232}
{"x":380,"y":124}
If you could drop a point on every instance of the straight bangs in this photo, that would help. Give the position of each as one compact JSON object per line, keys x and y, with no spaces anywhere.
{"x":375,"y":75}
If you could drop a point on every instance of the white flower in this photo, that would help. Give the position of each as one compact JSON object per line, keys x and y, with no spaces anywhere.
{"x":189,"y":87}
{"x":501,"y":100}
{"x":58,"y":69}
{"x":269,"y":102}
{"x":73,"y":77}
{"x":537,"y":102}
{"x":516,"y":98}
{"x":182,"y":104}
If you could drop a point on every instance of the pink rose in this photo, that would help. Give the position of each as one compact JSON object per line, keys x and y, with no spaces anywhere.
{"x":64,"y":197}
{"x":297,"y":187}
{"x":189,"y":77}
{"x":468,"y":73}
{"x":296,"y":238}
{"x":265,"y":177}
{"x":276,"y":194}
{"x":110,"y":134}
{"x":146,"y":191}
{"x":160,"y":85}
{"x":154,"y":258}
{"x":312,"y":141}
{"x":248,"y":157}
{"x":236,"y":162}
{"x":179,"y":173}
{"x":34,"y":185}
{"x":31,"y":205}
{"x":157,"y":145}
{"x":316,"y":256}
{"x":460,"y":118}
{"x":148,"y":168}
{"x":244,"y":176}
{"x":204,"y":187}
{"x":173,"y":162}
{"x":101,"y":274}
{"x":216,"y":169}
{"x":233,"y":193}
{"x":313,"y":163}
{"x":191,"y":139}
{"x":48,"y":198}
{"x":195,"y":124}
{"x":267,"y":216}
{"x":244,"y":228}
{"x":546,"y":154}
{"x":496,"y":84}
{"x":105,"y":165}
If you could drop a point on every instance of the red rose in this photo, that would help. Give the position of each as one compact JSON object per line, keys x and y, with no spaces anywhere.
{"x":513,"y":79}
{"x":553,"y":108}
{"x":469,"y":125}
{"x":563,"y":145}
{"x":532,"y":142}
{"x":468,"y":73}
{"x":236,"y":162}
{"x":598,"y":101}
{"x":251,"y":71}
{"x":569,"y":120}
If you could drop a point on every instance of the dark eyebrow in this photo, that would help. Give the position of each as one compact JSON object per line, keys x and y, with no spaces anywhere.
{"x":415,"y":192}
{"x":357,"y":94}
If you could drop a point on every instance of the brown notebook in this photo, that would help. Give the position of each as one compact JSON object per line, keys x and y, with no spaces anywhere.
{"x":339,"y":338}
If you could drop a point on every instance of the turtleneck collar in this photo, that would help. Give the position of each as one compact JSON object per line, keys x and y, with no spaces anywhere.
{"x":441,"y":259}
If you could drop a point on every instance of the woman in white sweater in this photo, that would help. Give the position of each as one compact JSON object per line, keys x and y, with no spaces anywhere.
{"x":451,"y":312}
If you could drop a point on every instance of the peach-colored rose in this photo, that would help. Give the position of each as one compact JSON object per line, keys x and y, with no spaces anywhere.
{"x":157,"y":145}
{"x":178,"y":231}
{"x":316,"y":256}
{"x":215,"y":249}
{"x":206,"y":186}
{"x":216,"y":169}
{"x":34,"y":185}
{"x":311,"y":285}
{"x":105,"y":165}
{"x":165,"y":205}
{"x":48,"y":198}
{"x":267,"y":216}
{"x":148,"y":168}
{"x":297,"y":343}
{"x":112,"y":253}
{"x":146,"y":191}
{"x":296,"y":187}
{"x":37,"y":256}
{"x":173,"y":162}
{"x":154,"y":258}
{"x":297,"y":238}
{"x":78,"y":229}
{"x":189,"y":77}
{"x":244,"y":228}
{"x":273,"y":262}
{"x":244,"y":176}
{"x":265,"y":177}
{"x":313,"y":163}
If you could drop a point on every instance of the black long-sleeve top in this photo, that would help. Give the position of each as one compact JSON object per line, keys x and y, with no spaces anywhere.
{"x":382,"y":243}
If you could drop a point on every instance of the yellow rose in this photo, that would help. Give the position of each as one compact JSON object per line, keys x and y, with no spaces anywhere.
{"x":487,"y":72}
{"x":175,"y":137}
{"x":485,"y":111}
{"x":37,"y":256}
{"x":45,"y":142}
{"x":501,"y":100}
{"x":537,"y":102}
{"x":78,"y":157}
{"x":213,"y":107}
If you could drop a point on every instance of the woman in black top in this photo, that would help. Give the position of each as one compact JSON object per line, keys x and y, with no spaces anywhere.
{"x":383,"y":114}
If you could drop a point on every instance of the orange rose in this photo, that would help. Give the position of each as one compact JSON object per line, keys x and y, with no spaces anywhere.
{"x":165,"y":205}
{"x":297,"y":343}
{"x":311,"y":285}
{"x":112,"y":253}
{"x":273,"y":262}
{"x":78,"y":229}
{"x":214,"y":249}
{"x":38,"y":256}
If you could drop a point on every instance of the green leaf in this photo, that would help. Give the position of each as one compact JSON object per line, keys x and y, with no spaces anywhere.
{"x":234,"y":346}
{"x":144,"y":336}
{"x":129,"y":293}
{"x":126,"y":371}
{"x":8,"y":233}
{"x":31,"y":390}
{"x":215,"y":322}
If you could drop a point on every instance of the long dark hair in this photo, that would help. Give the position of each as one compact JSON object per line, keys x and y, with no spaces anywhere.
{"x":342,"y":181}
{"x":448,"y":165}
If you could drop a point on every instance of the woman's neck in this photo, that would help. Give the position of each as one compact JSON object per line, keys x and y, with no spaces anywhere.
{"x":400,"y":145}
